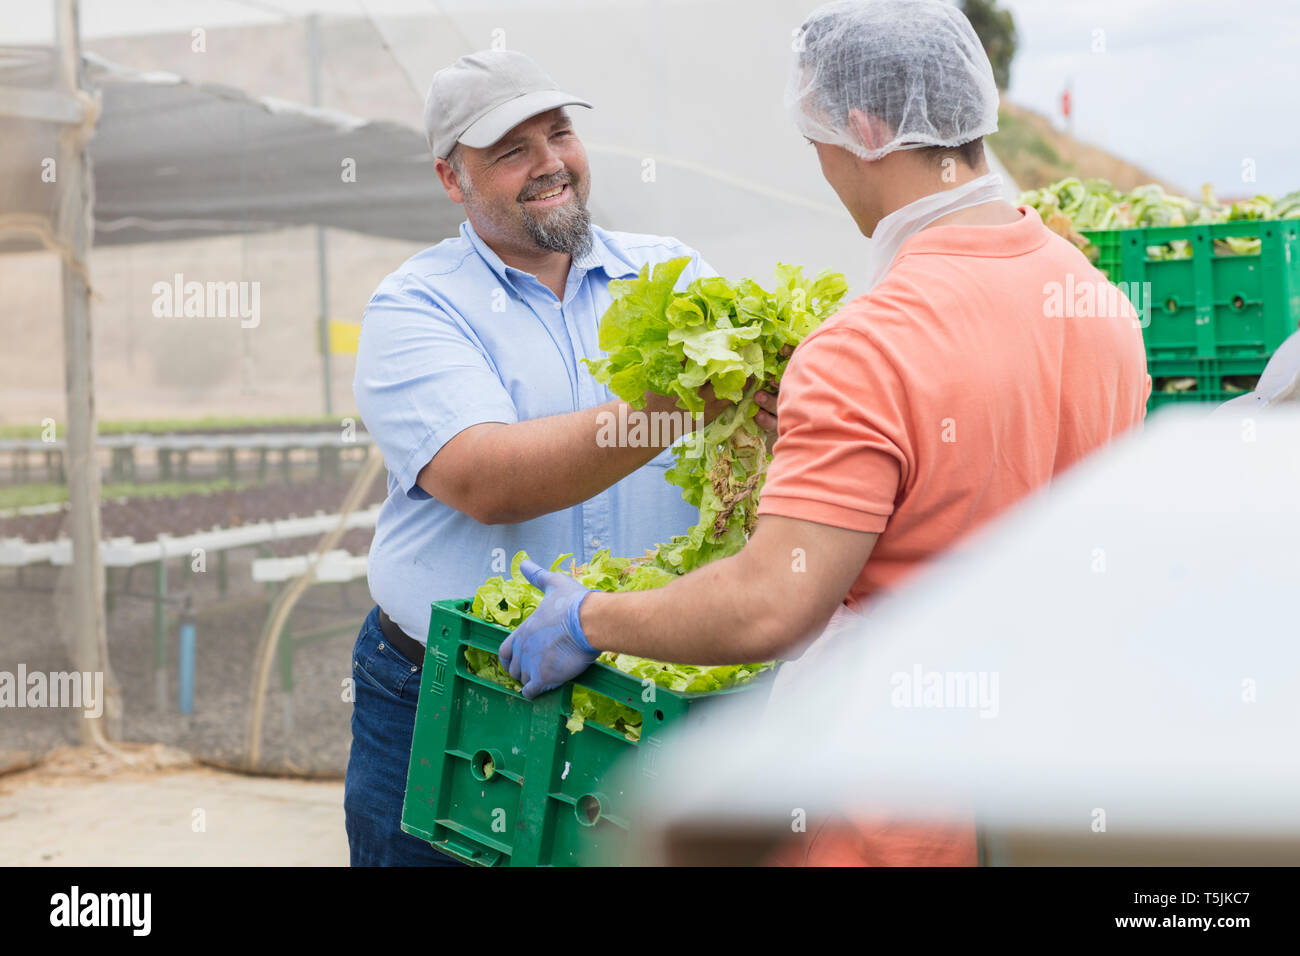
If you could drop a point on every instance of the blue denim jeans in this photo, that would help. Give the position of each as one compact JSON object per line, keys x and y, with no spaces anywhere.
{"x":386,"y":687}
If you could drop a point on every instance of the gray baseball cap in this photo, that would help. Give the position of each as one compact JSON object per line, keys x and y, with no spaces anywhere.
{"x":482,"y":96}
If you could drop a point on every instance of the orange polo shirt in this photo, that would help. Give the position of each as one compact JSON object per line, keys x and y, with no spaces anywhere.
{"x":986,"y":362}
{"x":961,"y":383}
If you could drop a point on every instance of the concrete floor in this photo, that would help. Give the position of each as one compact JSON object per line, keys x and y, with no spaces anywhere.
{"x":75,"y":813}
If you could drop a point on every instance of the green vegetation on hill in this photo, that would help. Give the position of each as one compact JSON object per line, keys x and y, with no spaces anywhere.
{"x":1017,"y":138}
{"x":996,"y":29}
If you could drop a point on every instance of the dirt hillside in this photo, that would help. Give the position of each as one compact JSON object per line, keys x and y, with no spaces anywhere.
{"x":1036,"y":153}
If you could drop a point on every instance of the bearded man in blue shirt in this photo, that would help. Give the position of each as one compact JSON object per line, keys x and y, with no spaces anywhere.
{"x":469,"y":379}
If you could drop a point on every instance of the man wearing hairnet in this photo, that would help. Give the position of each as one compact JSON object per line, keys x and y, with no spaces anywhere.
{"x":922,"y":409}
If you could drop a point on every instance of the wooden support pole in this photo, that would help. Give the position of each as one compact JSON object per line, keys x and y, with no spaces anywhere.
{"x":90,"y":641}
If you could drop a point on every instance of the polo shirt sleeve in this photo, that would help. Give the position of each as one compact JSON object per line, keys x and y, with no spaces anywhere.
{"x":842,"y":449}
{"x":421,"y":379}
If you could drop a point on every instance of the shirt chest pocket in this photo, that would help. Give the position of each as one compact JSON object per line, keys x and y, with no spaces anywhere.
{"x":537,"y":352}
{"x":537,"y":376}
{"x":664,"y":460}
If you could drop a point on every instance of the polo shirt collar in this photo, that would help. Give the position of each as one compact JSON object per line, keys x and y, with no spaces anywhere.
{"x":1010,"y":239}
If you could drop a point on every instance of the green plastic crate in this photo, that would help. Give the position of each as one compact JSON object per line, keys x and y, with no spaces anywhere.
{"x":1107,"y":245}
{"x":498,"y":780}
{"x":1214,"y":379}
{"x":1211,"y":306}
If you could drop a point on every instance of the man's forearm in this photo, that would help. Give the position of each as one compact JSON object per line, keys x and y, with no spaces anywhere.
{"x":780,"y":589}
{"x":717,"y":614}
{"x":750,"y":607}
{"x":503,"y":474}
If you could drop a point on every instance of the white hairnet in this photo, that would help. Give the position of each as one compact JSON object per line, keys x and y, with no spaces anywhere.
{"x":914,"y":67}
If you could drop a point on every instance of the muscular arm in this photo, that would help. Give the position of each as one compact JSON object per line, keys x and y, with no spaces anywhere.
{"x":503,"y":474}
{"x":756,"y":605}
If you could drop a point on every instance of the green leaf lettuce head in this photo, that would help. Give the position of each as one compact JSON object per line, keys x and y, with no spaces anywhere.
{"x":731,"y":336}
{"x":508,"y":601}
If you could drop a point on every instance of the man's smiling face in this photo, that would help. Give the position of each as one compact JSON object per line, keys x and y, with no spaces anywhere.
{"x":527,"y":191}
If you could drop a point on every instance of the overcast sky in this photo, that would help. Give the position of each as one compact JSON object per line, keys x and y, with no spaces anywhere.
{"x":1189,"y":89}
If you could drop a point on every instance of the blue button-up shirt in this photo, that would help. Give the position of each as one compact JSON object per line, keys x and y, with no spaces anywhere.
{"x":454,"y":338}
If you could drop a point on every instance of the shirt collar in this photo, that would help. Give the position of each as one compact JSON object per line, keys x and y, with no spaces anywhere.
{"x":601,"y":255}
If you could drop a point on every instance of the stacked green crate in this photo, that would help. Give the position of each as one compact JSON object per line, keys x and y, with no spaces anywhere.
{"x":1216,"y":314}
{"x":1107,"y":246}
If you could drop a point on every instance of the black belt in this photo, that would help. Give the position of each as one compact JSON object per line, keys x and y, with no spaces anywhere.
{"x":409,"y":648}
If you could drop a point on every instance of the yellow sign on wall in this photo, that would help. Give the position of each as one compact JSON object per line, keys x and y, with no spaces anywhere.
{"x":344,"y":337}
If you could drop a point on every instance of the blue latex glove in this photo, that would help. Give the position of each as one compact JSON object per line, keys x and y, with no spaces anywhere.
{"x":549,"y":648}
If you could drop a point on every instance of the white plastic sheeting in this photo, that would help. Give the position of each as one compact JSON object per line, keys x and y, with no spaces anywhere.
{"x":176,"y":160}
{"x":1279,"y":383}
{"x":1136,"y":626}
{"x":689,"y":136}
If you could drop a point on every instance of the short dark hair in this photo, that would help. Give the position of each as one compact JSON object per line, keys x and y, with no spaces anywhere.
{"x":971,"y":153}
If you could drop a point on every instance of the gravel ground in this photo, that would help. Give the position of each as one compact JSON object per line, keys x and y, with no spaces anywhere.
{"x":306,"y":730}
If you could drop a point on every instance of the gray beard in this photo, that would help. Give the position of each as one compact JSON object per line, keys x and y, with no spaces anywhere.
{"x":569,"y":233}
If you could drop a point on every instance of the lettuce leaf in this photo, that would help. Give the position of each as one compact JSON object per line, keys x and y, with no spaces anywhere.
{"x":605,"y":573}
{"x":732,"y":337}
{"x":1072,"y":205}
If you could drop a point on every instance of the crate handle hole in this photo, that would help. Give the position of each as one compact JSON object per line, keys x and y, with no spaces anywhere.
{"x":1171,"y":305}
{"x":1238,"y":303}
{"x":484,"y":764}
{"x":588,"y":809}
{"x":659,"y":715}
